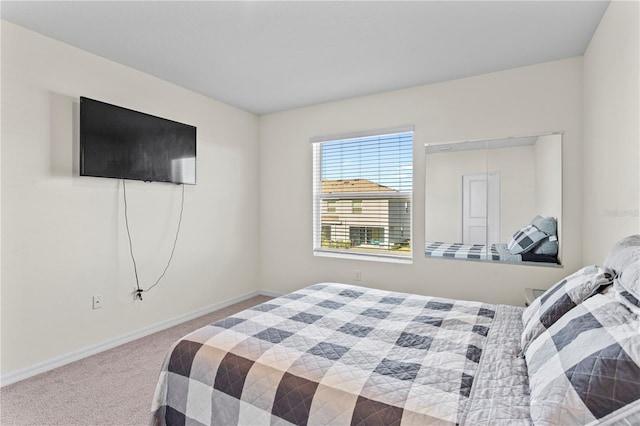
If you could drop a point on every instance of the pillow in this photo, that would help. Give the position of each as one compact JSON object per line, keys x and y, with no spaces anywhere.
{"x":625,"y":252}
{"x":586,"y":368}
{"x":627,"y":287}
{"x":559,"y":299}
{"x":525,"y":239}
{"x":548,"y":245}
{"x":547,"y":225}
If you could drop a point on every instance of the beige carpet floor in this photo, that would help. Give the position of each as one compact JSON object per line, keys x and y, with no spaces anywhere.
{"x":114,"y":387}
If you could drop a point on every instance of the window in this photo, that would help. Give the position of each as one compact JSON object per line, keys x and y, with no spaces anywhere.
{"x":366,"y":235}
{"x":363,"y":187}
{"x":326,"y":232}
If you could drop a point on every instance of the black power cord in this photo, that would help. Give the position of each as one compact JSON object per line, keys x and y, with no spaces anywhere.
{"x":139,"y":290}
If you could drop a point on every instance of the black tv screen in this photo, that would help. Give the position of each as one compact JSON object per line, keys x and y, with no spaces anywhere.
{"x":117,"y":142}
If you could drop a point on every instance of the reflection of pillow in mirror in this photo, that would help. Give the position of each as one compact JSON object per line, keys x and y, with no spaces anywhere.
{"x":548,"y":245}
{"x":525,"y":239}
{"x":545,"y":224}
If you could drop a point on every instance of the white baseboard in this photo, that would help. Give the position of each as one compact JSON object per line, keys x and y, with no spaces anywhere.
{"x":270,"y":293}
{"x":44,"y":366}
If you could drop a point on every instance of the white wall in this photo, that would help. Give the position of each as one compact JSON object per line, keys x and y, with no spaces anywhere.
{"x":517,"y":187}
{"x":63,"y":235}
{"x":515,"y":165}
{"x":548,"y":154}
{"x":548,"y":173}
{"x":611,"y":131}
{"x":529,"y":100}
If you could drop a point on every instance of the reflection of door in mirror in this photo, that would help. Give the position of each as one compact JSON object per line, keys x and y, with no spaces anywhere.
{"x":481,"y":208}
{"x":480,"y":194}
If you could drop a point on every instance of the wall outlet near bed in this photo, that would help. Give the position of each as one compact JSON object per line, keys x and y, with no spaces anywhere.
{"x":97,"y":301}
{"x":358,"y":275}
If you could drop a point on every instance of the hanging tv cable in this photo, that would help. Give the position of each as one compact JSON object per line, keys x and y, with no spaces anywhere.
{"x":139,"y":290}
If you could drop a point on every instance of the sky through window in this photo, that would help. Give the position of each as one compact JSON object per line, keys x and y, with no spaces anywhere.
{"x":386,"y":160}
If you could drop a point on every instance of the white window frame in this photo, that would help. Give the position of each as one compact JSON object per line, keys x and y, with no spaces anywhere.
{"x":318,"y":250}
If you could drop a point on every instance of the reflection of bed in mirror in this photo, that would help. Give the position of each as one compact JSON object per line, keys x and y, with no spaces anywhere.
{"x":535,"y":242}
{"x":481,"y":196}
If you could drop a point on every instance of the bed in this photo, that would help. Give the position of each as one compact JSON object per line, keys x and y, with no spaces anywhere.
{"x":535,"y":242}
{"x":496,"y":252}
{"x":340,"y":354}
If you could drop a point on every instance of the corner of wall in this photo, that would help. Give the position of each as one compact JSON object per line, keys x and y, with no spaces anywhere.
{"x":611,"y":94}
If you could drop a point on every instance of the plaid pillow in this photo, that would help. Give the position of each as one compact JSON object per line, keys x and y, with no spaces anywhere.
{"x":525,"y":239}
{"x":624,"y":253}
{"x":586,"y":368}
{"x":559,"y":299}
{"x":627,"y":286}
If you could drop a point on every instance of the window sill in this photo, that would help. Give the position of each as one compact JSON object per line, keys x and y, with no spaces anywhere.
{"x":370,"y":257}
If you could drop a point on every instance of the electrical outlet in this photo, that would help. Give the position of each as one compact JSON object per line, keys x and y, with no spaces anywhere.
{"x":97,"y":301}
{"x":358,"y":276}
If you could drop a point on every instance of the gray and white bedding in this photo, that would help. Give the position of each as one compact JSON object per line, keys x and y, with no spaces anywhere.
{"x":581,"y":342}
{"x":585,"y":369}
{"x":535,"y":242}
{"x":341,"y":354}
{"x":460,"y":251}
{"x":496,"y":252}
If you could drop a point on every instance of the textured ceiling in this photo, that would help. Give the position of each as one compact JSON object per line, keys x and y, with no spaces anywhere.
{"x":266,"y":56}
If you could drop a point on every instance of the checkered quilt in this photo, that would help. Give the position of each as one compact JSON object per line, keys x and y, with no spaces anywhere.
{"x":335,"y":354}
{"x":461,"y":251}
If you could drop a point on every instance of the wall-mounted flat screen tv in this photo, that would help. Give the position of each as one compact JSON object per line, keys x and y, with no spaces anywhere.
{"x":117,"y":142}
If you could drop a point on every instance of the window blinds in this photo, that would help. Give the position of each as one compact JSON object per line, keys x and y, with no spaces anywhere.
{"x":362,"y":194}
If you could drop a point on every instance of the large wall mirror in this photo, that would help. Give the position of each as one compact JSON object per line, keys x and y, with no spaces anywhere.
{"x":495,"y":200}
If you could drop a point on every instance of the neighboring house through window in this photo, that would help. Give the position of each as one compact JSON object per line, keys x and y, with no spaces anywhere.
{"x":363,"y":186}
